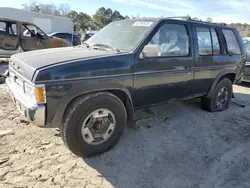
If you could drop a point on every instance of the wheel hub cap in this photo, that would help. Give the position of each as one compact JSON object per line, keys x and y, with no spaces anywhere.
{"x":98,"y":126}
{"x":222,"y":97}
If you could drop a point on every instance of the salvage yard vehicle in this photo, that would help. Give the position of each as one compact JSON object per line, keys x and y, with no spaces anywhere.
{"x":246,"y":77}
{"x":73,"y":39}
{"x":16,"y":36}
{"x":91,"y":91}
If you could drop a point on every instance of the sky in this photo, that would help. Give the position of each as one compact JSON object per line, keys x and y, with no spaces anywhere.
{"x":228,"y":11}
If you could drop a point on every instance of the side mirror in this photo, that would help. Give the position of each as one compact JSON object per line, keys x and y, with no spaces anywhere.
{"x":141,"y":56}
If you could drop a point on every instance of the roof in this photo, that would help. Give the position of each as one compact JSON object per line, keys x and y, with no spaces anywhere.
{"x":183,"y":19}
{"x":11,"y":20}
{"x":13,"y":10}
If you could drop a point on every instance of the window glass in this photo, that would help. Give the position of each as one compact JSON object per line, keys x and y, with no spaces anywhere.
{"x":248,"y":45}
{"x":8,"y":28}
{"x":216,"y":43}
{"x":3,"y":27}
{"x":204,"y":41}
{"x":32,"y":31}
{"x":232,"y":44}
{"x":169,"y":40}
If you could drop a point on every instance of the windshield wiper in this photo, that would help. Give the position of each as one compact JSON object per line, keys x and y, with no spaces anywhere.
{"x":106,"y":46}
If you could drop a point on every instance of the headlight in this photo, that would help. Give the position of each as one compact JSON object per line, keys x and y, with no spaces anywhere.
{"x":36,"y":93}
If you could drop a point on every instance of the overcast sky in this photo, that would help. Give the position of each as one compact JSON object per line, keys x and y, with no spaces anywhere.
{"x":219,"y":10}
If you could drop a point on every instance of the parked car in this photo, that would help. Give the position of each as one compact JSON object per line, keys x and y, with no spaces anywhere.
{"x":16,"y":36}
{"x":246,"y":77}
{"x":89,"y":34}
{"x":68,"y":37}
{"x":91,"y":91}
{"x":246,"y":39}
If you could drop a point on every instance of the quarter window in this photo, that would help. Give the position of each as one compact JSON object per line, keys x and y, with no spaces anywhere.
{"x":216,"y":43}
{"x":232,"y":44}
{"x":170,"y":40}
{"x":204,"y":41}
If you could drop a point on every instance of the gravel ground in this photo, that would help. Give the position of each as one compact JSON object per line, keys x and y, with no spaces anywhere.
{"x":177,"y":146}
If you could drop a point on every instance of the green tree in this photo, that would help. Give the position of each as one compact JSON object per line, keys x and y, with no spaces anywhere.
{"x":104,"y":16}
{"x":82,"y":21}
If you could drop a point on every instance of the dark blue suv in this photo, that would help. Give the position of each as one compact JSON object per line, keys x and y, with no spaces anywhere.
{"x":91,"y":91}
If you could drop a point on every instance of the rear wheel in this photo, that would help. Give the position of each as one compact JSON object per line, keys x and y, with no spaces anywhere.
{"x":221,"y":97}
{"x":94,"y":124}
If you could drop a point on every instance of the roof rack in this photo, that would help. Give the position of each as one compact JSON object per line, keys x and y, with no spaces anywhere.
{"x":189,"y":18}
{"x":180,"y":17}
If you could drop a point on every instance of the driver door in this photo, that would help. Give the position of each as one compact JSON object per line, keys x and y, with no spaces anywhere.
{"x":165,"y":68}
{"x":29,"y":39}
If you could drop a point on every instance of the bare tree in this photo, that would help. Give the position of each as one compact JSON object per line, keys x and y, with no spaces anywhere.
{"x":64,"y":9}
{"x":60,"y":10}
{"x":209,"y":20}
{"x":31,"y":6}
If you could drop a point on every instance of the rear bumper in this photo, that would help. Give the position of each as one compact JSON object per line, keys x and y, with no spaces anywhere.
{"x":33,"y":112}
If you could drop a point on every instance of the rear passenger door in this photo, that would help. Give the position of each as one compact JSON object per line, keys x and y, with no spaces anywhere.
{"x":210,"y":56}
{"x":9,"y":39}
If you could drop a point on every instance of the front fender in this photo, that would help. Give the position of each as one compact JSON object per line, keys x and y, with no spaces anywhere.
{"x":81,"y":89}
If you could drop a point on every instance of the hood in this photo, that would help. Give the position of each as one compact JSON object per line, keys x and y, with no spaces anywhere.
{"x":27,"y":63}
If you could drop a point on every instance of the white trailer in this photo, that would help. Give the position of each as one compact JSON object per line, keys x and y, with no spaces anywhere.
{"x":48,"y":23}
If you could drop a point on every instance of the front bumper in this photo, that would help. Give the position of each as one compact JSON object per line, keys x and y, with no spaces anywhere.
{"x":36,"y":114}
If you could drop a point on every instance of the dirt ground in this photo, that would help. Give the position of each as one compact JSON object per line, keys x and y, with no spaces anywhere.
{"x":177,"y":146}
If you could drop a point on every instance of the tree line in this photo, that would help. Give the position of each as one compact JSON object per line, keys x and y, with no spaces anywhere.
{"x":102,"y":16}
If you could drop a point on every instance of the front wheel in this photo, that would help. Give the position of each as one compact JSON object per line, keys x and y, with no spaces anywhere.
{"x":221,"y":97}
{"x":93,"y":124}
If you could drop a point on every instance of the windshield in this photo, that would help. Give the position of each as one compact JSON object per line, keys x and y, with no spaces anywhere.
{"x":122,"y":35}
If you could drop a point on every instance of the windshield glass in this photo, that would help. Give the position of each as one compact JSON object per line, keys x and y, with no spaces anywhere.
{"x":123,"y":35}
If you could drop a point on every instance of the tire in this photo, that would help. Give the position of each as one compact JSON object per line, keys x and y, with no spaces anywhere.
{"x":77,"y":114}
{"x":210,"y":104}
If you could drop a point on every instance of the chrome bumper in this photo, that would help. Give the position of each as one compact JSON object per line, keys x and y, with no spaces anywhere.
{"x":33,"y":112}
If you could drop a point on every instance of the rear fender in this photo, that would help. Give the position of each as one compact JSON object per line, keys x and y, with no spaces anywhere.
{"x":217,"y":79}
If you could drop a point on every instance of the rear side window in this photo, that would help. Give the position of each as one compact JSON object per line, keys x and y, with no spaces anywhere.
{"x":204,"y":41}
{"x":216,"y":43}
{"x":232,"y":44}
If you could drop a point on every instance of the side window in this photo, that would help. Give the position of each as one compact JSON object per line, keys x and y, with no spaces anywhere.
{"x":8,"y":28}
{"x":216,"y":43}
{"x":170,"y":40}
{"x":29,"y":30}
{"x":32,"y":31}
{"x":3,"y":28}
{"x":204,"y":41}
{"x":232,"y":44}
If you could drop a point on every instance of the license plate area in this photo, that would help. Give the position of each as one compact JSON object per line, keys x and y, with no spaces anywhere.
{"x":20,"y":108}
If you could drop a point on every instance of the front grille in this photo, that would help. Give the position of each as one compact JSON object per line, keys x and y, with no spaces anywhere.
{"x":16,"y":78}
{"x":247,"y":70}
